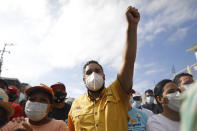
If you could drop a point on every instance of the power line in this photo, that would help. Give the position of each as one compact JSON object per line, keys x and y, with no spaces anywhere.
{"x":2,"y":53}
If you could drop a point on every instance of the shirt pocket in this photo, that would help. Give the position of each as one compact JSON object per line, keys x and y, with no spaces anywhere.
{"x":83,"y":119}
{"x":109,"y":100}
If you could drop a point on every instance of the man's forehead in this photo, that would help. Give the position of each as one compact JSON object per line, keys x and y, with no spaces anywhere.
{"x":92,"y":66}
{"x":149,"y":93}
{"x":59,"y":89}
{"x":186,"y":78}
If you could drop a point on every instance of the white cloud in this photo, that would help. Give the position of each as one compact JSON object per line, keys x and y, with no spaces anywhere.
{"x":153,"y":71}
{"x":159,"y":16}
{"x":67,"y":33}
{"x":139,"y":66}
{"x":179,"y":34}
{"x":141,"y":86}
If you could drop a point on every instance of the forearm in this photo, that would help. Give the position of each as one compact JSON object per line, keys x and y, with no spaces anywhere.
{"x":129,"y":53}
{"x":128,"y":59}
{"x":125,"y":75}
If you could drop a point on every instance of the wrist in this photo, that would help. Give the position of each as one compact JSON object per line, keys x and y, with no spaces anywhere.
{"x":132,"y":27}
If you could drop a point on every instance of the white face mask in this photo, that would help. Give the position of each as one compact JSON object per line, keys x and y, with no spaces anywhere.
{"x":187,"y":86}
{"x":35,"y":111}
{"x":174,"y":101}
{"x":94,"y":82}
{"x":150,"y":99}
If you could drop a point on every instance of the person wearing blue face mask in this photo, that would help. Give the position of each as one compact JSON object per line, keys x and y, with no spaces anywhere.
{"x":137,"y":117}
{"x":137,"y":101}
{"x":150,"y":101}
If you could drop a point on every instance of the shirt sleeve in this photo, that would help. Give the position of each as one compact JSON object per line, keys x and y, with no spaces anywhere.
{"x":70,"y":124}
{"x":119,"y":93}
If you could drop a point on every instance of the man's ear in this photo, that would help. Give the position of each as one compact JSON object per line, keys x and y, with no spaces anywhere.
{"x":84,"y":79}
{"x":103,"y":76}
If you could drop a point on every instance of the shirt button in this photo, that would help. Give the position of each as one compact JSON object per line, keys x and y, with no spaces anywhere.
{"x":96,"y":125}
{"x":95,"y":113}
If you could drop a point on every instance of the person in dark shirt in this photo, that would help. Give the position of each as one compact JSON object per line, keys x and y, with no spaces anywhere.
{"x":150,"y":102}
{"x":61,"y":109}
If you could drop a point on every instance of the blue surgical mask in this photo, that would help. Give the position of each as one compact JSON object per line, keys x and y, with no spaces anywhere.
{"x":150,"y":99}
{"x":136,"y":104}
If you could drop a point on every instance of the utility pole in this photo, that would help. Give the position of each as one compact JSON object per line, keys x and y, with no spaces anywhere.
{"x":2,"y":53}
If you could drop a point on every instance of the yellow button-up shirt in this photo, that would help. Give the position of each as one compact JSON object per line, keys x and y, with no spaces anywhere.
{"x":108,"y":113}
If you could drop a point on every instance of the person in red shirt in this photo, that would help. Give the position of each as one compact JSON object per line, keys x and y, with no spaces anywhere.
{"x":12,"y":93}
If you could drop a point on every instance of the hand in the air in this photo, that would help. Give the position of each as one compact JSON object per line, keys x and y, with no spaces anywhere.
{"x":133,"y":16}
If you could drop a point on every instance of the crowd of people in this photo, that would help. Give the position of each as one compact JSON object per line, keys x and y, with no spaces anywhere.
{"x":115,"y":108}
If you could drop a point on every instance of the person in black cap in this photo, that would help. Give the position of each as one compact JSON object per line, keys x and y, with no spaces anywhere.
{"x":61,"y":108}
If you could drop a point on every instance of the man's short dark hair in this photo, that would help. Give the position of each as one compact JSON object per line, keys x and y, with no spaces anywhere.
{"x":158,"y":90}
{"x":149,"y":91}
{"x":176,"y":79}
{"x":91,"y":62}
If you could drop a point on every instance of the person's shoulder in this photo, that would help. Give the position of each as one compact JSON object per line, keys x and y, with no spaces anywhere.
{"x":141,"y":112}
{"x":155,"y":118}
{"x":80,"y":100}
{"x":144,"y":105}
{"x":146,"y":110}
{"x":58,"y":123}
{"x":115,"y":88}
{"x":136,"y":110}
{"x":114,"y":83}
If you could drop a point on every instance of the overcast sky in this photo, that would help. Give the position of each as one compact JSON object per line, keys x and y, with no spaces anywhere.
{"x":54,"y":38}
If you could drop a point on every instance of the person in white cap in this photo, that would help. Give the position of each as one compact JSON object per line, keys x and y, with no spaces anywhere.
{"x":137,"y":101}
{"x":137,"y":118}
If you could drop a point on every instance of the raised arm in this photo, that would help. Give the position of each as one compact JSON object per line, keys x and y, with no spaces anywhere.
{"x":125,"y":74}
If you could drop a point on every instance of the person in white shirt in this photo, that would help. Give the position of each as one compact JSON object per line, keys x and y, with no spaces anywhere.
{"x":169,"y":119}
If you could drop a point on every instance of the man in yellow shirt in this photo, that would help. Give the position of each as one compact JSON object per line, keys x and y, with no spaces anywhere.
{"x":106,"y":109}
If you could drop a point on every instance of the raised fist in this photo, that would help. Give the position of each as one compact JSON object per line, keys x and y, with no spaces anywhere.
{"x":133,"y":16}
